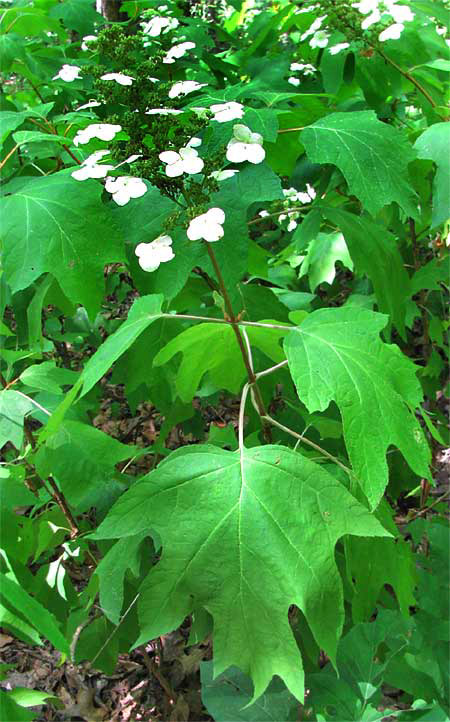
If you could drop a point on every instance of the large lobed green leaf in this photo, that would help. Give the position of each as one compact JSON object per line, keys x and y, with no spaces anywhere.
{"x":59,"y":225}
{"x":266,"y":523}
{"x":337,"y":355}
{"x":372,"y":156}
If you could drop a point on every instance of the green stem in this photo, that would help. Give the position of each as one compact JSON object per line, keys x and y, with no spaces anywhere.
{"x":235,"y":326}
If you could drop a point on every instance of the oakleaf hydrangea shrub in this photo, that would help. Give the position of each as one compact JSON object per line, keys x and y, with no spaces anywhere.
{"x":242,"y":211}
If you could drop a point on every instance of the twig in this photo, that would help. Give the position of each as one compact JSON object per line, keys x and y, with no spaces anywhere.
{"x":424,"y":511}
{"x":291,"y":130}
{"x":309,"y":443}
{"x":408,"y":76}
{"x":115,"y":628}
{"x":152,"y":668}
{"x":272,"y":369}
{"x":255,"y":324}
{"x":62,"y":503}
{"x":8,"y":156}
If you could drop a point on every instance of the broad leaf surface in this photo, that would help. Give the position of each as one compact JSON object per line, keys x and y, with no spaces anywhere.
{"x":79,"y":232}
{"x":267,"y":521}
{"x":337,"y":355}
{"x":372,"y":156}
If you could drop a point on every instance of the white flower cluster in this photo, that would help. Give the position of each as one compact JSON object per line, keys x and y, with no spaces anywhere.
{"x":374,"y":10}
{"x":292,"y":195}
{"x":319,"y":37}
{"x":304,"y":68}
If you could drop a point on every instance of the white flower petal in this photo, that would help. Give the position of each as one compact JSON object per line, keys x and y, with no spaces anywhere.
{"x":169,"y":156}
{"x":215,"y":215}
{"x":255,"y":153}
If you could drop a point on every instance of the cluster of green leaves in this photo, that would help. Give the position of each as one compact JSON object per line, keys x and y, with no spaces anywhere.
{"x":279,"y":541}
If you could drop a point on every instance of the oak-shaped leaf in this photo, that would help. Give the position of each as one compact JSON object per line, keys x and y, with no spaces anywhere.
{"x":372,"y":156}
{"x":79,"y":231}
{"x":245,"y":535}
{"x":337,"y":355}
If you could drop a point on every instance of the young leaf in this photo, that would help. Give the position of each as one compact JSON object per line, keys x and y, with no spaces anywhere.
{"x":372,"y":156}
{"x":337,"y":355}
{"x":267,"y":521}
{"x":323,"y":252}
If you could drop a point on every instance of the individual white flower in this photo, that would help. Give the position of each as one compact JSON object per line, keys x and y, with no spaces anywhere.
{"x":294,"y":81}
{"x":223,"y":112}
{"x":371,"y":19}
{"x":335,"y":49}
{"x":245,"y":145}
{"x":90,"y":167}
{"x":102,"y":131}
{"x":125,"y":187}
{"x":163,"y":111}
{"x":158,"y":24}
{"x":151,"y":255}
{"x":68,"y":73}
{"x":185,"y":161}
{"x":183,"y":87}
{"x":264,"y":214}
{"x":207,"y":226}
{"x":86,"y":40}
{"x":90,"y":104}
{"x":177,"y":51}
{"x":317,"y":24}
{"x":221,"y":175}
{"x":366,"y":6}
{"x":393,"y":32}
{"x":292,"y":225}
{"x":118,"y":78}
{"x":401,"y":13}
{"x":319,"y":39}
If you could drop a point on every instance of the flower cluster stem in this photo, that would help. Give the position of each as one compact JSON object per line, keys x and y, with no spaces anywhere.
{"x":245,"y":357}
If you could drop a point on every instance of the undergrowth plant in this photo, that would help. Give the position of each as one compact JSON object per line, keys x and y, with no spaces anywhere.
{"x":242,"y":206}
